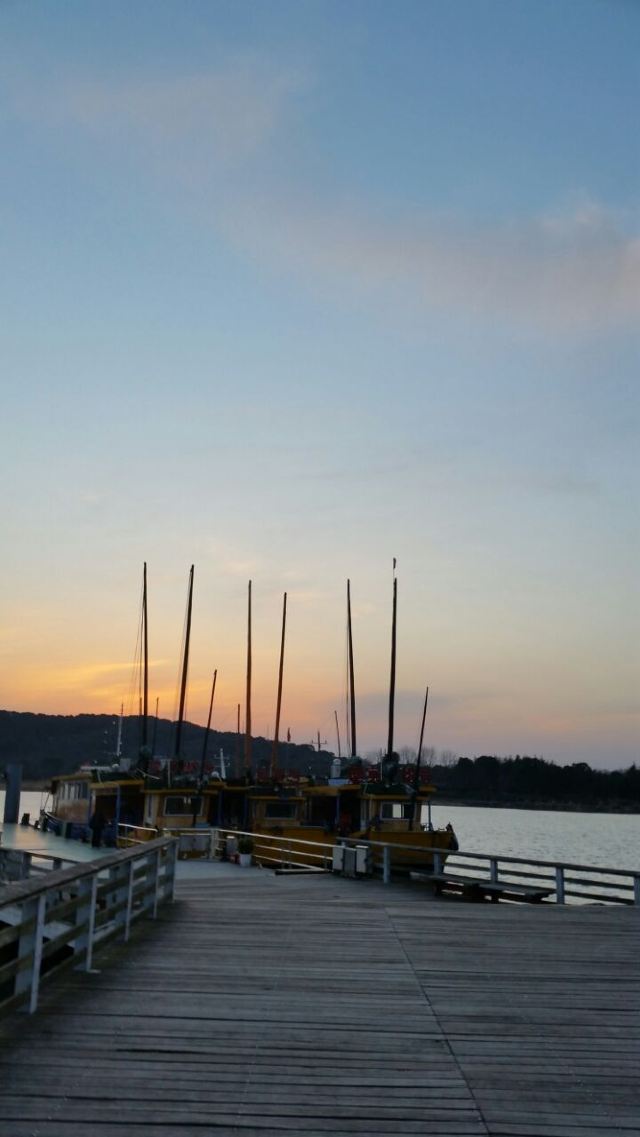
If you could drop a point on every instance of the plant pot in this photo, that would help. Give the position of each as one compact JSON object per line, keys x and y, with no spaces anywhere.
{"x":244,"y":859}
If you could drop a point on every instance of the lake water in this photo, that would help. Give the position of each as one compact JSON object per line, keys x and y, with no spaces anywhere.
{"x":609,"y":840}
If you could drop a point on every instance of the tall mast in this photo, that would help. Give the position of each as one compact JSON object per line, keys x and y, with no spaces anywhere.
{"x":247,"y":723}
{"x":185,"y":667}
{"x":416,"y":780}
{"x":155,"y":727}
{"x":274,"y":752}
{"x":145,"y":641}
{"x":237,"y":755}
{"x":338,"y":733}
{"x":204,"y":749}
{"x":352,"y":692}
{"x":392,"y":681}
{"x":119,"y":733}
{"x":208,"y":728}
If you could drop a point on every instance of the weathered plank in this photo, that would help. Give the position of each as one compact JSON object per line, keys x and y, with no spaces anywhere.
{"x":269,"y":1005}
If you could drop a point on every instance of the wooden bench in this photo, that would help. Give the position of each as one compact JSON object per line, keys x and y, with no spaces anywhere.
{"x":472,"y":888}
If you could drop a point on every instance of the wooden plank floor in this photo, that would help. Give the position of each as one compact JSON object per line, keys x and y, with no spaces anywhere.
{"x":263,"y":1006}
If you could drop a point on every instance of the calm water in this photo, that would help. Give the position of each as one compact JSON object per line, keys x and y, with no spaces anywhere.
{"x":611,"y":840}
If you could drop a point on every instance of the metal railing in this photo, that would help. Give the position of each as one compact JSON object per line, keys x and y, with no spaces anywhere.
{"x":560,"y":881}
{"x":592,"y":883}
{"x":64,"y":916}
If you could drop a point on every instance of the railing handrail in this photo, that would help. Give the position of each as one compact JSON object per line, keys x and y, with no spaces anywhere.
{"x":495,"y":857}
{"x":65,"y":916}
{"x":627,"y":880}
{"x":428,"y":849}
{"x":20,"y":890}
{"x":141,"y":828}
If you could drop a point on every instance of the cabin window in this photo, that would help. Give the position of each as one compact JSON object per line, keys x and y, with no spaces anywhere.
{"x":395,"y":810}
{"x":182,"y":805}
{"x":280,"y":810}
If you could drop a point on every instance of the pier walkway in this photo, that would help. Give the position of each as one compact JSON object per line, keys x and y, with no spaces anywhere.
{"x":264,"y":1005}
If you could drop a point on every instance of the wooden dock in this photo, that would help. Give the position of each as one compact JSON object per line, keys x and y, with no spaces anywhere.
{"x":261,"y":1005}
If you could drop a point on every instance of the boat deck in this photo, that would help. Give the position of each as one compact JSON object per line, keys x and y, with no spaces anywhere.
{"x":262,"y":1005}
{"x":26,"y":839}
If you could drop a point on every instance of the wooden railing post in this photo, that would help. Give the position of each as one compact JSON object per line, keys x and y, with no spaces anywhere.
{"x":493,"y":863}
{"x":156,"y":858}
{"x":559,"y":884}
{"x":30,"y":948}
{"x":170,"y":871}
{"x":437,"y":862}
{"x":636,"y":889}
{"x":86,"y":920}
{"x":386,"y":865}
{"x":129,"y":906}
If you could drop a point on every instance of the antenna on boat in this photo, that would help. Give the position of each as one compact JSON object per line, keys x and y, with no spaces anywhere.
{"x":338,"y":733}
{"x":185,"y":667}
{"x":416,"y":780}
{"x":274,"y":751}
{"x":352,"y":691}
{"x":247,"y":724}
{"x":392,"y":681}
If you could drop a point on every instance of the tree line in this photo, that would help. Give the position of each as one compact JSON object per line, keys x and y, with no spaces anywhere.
{"x":48,"y":745}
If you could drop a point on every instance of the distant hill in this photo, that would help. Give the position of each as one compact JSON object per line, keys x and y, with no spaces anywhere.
{"x":48,"y":745}
{"x":58,"y":744}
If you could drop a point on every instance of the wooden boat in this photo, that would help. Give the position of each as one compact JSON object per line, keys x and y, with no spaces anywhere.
{"x":358,"y":802}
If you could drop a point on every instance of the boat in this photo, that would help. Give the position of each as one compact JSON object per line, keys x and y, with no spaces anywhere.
{"x":355,"y":802}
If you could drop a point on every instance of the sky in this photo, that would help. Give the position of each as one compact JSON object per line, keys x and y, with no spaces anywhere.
{"x":291,"y":289}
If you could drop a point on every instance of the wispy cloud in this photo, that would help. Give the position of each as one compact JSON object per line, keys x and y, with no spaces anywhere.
{"x":230,"y":111}
{"x":576,"y":271}
{"x":570,"y":270}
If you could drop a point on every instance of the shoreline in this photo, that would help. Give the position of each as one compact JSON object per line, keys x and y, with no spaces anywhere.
{"x":533,"y":804}
{"x":541,"y":805}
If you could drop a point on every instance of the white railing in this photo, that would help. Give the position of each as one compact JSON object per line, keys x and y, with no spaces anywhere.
{"x":64,"y":916}
{"x":128,"y":835}
{"x":562,"y":879}
{"x":558,"y":881}
{"x":20,"y":864}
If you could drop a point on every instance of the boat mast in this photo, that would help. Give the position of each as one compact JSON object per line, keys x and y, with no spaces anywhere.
{"x":274,"y":751}
{"x":204,"y":748}
{"x":335,"y":713}
{"x":247,"y":723}
{"x":236,"y":767}
{"x":145,"y":639}
{"x":208,"y":728}
{"x":185,"y":667}
{"x":392,"y":681}
{"x":119,"y":733}
{"x":416,"y":780}
{"x":352,"y":692}
{"x":155,"y":727}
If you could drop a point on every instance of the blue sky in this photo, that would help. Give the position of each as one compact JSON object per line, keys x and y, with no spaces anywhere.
{"x":291,"y":289}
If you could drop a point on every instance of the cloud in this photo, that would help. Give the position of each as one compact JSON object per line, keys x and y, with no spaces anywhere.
{"x":572,"y":270}
{"x":576,"y":271}
{"x":230,"y":111}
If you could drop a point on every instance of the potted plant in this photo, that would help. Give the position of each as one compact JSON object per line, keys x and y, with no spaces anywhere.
{"x":245,"y":849}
